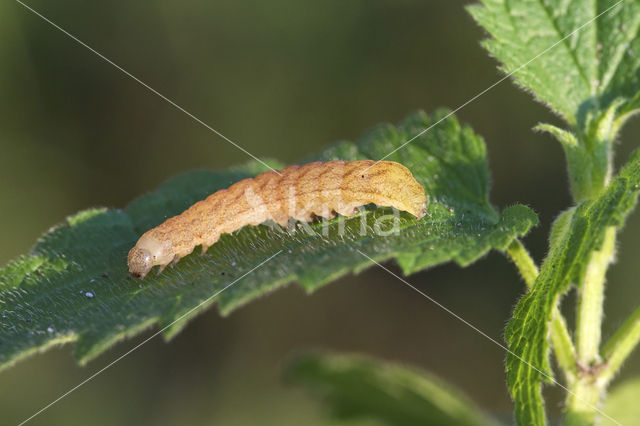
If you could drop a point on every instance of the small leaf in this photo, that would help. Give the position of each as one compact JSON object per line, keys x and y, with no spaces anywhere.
{"x":581,"y":233}
{"x":622,"y":402}
{"x":361,"y":387}
{"x":43,"y":297}
{"x":566,"y":138}
{"x":597,"y":64}
{"x":561,"y":226}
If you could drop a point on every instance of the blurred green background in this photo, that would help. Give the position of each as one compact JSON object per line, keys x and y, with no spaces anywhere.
{"x":283,"y":79}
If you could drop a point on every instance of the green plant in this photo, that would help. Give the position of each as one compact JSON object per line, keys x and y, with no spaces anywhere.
{"x":592,"y":81}
{"x":581,"y":59}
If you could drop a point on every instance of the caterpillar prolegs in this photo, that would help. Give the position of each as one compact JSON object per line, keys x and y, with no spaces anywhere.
{"x":300,"y":192}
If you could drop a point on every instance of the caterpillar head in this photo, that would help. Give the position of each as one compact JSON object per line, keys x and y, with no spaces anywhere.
{"x":395,"y":181}
{"x":146,"y":254}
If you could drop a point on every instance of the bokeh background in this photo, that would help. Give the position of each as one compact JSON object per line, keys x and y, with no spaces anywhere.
{"x":283,"y":79}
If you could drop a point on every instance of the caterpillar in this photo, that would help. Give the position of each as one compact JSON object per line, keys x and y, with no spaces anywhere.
{"x":319,"y":189}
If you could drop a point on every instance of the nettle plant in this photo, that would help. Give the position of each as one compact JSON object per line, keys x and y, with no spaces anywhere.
{"x":580,"y":58}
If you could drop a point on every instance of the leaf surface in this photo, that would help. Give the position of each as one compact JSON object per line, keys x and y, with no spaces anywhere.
{"x":594,"y":61}
{"x":361,"y":387}
{"x":74,"y":286}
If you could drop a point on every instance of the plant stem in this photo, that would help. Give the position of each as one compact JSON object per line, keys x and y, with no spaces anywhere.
{"x":563,"y":346}
{"x":619,"y":347}
{"x":590,"y":300}
{"x":523,"y":261}
{"x":586,"y":392}
{"x":560,"y":337}
{"x":582,"y":402}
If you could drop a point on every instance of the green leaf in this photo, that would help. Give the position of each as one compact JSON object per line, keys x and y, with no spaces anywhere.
{"x":622,"y":402}
{"x":595,"y":60}
{"x":75,"y":284}
{"x":361,"y":387}
{"x":582,"y":59}
{"x":582,"y":232}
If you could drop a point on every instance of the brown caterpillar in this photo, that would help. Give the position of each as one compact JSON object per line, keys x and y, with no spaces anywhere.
{"x":300,"y":192}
